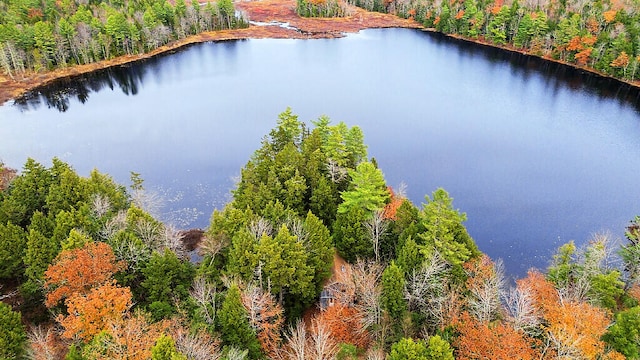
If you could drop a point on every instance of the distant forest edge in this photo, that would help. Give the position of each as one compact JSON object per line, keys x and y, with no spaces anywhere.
{"x":602,"y":35}
{"x":42,"y":37}
{"x":315,"y":257}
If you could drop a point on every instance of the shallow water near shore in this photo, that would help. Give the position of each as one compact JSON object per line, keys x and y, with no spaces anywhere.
{"x":535,"y":153}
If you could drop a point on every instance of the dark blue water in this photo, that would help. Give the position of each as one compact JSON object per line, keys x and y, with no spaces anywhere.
{"x":536,"y":154}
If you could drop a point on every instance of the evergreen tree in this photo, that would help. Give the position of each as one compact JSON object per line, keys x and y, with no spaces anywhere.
{"x":13,"y":337}
{"x":234,"y":326}
{"x":165,"y":349}
{"x":13,"y":244}
{"x":284,"y":266}
{"x":624,"y":334}
{"x":39,"y":254}
{"x":26,"y":195}
{"x":166,"y":277}
{"x":367,"y":190}
{"x":319,"y":249}
{"x":439,"y":349}
{"x":350,"y":236}
{"x":444,"y":231}
{"x":407,"y":349}
{"x":393,"y":292}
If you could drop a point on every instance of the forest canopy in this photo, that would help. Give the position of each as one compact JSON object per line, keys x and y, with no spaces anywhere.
{"x":601,"y":35}
{"x":315,"y":257}
{"x":43,"y":35}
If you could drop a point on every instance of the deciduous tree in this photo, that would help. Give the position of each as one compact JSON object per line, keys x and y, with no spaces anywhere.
{"x":90,"y":313}
{"x":77,"y":271}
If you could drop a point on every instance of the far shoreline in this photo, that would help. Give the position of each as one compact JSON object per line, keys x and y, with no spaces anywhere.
{"x":277,"y":12}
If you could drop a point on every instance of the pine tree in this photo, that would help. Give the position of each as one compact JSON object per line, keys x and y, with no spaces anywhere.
{"x":367,"y":190}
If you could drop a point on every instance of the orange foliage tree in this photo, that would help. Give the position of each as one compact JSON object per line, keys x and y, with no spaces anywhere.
{"x":133,"y":338}
{"x":496,"y":341}
{"x":79,"y":270}
{"x":583,"y":45}
{"x":622,"y":61}
{"x":610,"y":15}
{"x":573,"y":328}
{"x":396,"y":200}
{"x":344,"y":325}
{"x":265,"y":317}
{"x":89,"y":313}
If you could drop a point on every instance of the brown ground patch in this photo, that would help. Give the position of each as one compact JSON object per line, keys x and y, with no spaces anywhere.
{"x":282,"y":11}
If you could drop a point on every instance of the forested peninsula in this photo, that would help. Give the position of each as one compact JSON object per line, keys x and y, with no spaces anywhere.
{"x":315,"y":257}
{"x":41,"y":41}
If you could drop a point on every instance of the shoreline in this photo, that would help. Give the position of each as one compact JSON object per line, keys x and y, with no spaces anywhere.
{"x":273,"y":13}
{"x":263,"y":11}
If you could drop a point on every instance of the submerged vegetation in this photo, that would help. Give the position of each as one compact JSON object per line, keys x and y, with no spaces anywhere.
{"x":315,"y":257}
{"x":43,"y":35}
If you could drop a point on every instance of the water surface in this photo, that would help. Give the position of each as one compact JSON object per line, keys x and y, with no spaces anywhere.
{"x":536,"y":154}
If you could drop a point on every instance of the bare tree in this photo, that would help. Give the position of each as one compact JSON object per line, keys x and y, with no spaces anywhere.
{"x":375,"y":354}
{"x":365,"y":279}
{"x":426,"y":290}
{"x":376,"y":226}
{"x":5,"y":62}
{"x":260,"y":227}
{"x":100,"y":205}
{"x":337,"y":173}
{"x":196,"y":346}
{"x":296,"y":345}
{"x":8,"y":295}
{"x":484,"y":302}
{"x":521,"y":310}
{"x":204,"y":295}
{"x":212,"y":245}
{"x":113,"y":225}
{"x":148,"y":201}
{"x":43,"y":344}
{"x":296,"y":227}
{"x":321,"y":344}
{"x":171,"y":238}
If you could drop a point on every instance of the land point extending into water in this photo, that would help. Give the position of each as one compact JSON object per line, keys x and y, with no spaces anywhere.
{"x":275,"y":19}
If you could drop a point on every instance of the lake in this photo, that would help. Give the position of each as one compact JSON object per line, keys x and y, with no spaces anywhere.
{"x":535,"y":153}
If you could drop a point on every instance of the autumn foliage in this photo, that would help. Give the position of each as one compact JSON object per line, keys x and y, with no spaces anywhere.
{"x":89,"y":313}
{"x":265,"y":317}
{"x":574,"y":328}
{"x":130,"y":337}
{"x":496,"y":341}
{"x":344,"y":325}
{"x":391,"y":208}
{"x":80,"y":270}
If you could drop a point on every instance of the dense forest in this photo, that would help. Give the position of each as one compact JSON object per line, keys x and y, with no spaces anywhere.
{"x":43,"y":35}
{"x":315,"y":257}
{"x":603,"y":35}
